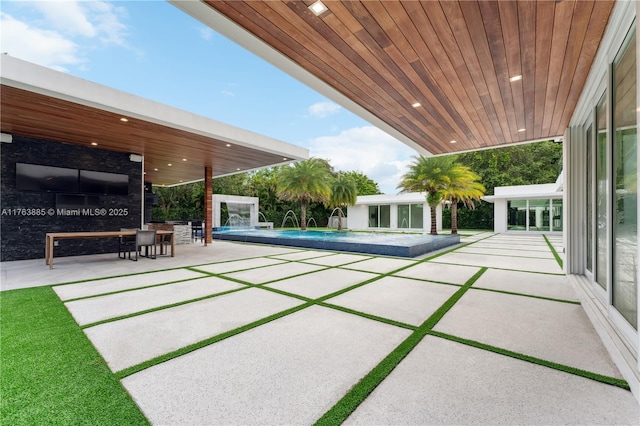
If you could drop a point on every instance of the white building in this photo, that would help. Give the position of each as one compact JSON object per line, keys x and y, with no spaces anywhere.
{"x":528,"y":208}
{"x":395,"y":212}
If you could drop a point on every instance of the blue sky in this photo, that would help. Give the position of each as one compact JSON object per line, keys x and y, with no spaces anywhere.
{"x":154,"y":50}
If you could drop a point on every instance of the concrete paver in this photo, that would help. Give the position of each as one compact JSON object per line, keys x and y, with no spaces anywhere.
{"x":238,"y":265}
{"x":542,"y":254}
{"x":337,"y":260}
{"x":554,"y":331}
{"x":289,"y":371}
{"x":442,"y":382}
{"x":381,"y":265}
{"x":395,"y":298}
{"x":502,"y":262}
{"x":543,"y":285}
{"x":304,"y":254}
{"x":274,"y":272}
{"x":454,"y":274}
{"x":93,"y":288}
{"x":321,"y":283}
{"x":130,"y":341}
{"x":99,"y":308}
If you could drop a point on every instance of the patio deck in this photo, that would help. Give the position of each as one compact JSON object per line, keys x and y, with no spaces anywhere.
{"x":489,"y":333}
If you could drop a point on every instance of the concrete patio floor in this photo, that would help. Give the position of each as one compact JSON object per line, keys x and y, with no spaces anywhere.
{"x":248,"y":334}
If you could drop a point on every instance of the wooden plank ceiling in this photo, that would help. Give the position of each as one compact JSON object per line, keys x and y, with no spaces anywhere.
{"x":172,"y":156}
{"x":454,"y":58}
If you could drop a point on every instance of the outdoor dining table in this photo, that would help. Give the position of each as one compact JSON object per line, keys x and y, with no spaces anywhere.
{"x":52,"y":236}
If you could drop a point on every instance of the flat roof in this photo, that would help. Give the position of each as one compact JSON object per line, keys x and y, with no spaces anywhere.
{"x":39,"y":102}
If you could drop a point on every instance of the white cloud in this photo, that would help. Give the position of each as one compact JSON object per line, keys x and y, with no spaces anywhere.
{"x":67,"y":17}
{"x":64,"y":31}
{"x":368,"y":150}
{"x":44,"y":47}
{"x":323,"y":109}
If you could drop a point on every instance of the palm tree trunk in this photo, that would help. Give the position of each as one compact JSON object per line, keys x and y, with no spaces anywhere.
{"x":434,"y":229}
{"x":454,"y":216}
{"x":339,"y":220}
{"x":303,"y":215}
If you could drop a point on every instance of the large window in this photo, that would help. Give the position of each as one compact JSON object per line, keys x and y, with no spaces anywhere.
{"x":589,"y":185}
{"x":601,"y":193}
{"x":539,"y":215}
{"x":410,"y":216}
{"x":625,"y":184}
{"x":380,"y":216}
{"x":542,"y":215}
{"x":556,"y":215}
{"x":517,"y":215}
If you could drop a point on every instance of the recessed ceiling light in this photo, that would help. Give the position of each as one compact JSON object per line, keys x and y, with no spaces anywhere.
{"x":318,"y":8}
{"x":155,"y":170}
{"x":522,"y":130}
{"x":94,"y":143}
{"x":416,"y":104}
{"x":285,"y":158}
{"x":169,"y":164}
{"x":453,"y":141}
{"x":124,"y":119}
{"x":515,"y":78}
{"x":184,"y":159}
{"x":228,"y":145}
{"x":238,"y":168}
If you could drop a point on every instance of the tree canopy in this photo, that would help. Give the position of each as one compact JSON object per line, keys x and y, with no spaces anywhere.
{"x":305,"y":182}
{"x":343,"y":193}
{"x":431,"y":175}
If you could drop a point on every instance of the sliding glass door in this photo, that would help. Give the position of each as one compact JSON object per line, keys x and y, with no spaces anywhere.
{"x":625,"y":184}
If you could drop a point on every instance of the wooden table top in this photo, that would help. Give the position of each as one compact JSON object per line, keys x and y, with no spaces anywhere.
{"x":92,"y":234}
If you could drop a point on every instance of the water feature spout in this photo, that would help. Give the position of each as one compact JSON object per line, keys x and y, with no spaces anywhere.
{"x":315,"y":224}
{"x":239,"y":215}
{"x":293,"y":217}
{"x":340,"y":214}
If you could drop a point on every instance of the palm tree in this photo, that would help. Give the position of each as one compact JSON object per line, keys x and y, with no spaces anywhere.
{"x":464,"y":187}
{"x":343,"y":193}
{"x":431,"y":175}
{"x":306,"y":181}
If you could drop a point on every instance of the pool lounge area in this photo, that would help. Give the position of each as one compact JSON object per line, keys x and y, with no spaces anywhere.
{"x":387,"y":244}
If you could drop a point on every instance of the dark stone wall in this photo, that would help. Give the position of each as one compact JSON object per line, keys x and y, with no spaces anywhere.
{"x":26,"y":216}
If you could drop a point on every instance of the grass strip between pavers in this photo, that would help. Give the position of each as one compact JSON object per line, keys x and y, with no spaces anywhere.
{"x":358,"y":393}
{"x":555,"y":253}
{"x":523,"y":357}
{"x":368,"y":316}
{"x":533,"y":296}
{"x":162,"y":307}
{"x":51,"y":374}
{"x":126,"y":290}
{"x":190,"y":348}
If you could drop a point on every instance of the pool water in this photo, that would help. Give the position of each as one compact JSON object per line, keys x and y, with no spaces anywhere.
{"x":389,"y":244}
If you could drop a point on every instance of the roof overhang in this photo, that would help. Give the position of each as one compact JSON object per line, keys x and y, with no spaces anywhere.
{"x":379,"y":59}
{"x":177,"y":145}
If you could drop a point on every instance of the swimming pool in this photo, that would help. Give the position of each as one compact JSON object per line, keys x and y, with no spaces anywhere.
{"x":388,"y":244}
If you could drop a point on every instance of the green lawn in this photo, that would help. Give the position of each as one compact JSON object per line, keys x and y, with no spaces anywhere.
{"x":49,"y":371}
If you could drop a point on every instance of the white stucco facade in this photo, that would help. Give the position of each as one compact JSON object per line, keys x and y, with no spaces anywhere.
{"x":408,"y":212}
{"x":528,"y":208}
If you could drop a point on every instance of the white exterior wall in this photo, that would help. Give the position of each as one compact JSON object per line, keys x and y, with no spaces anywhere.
{"x":359,"y":214}
{"x":358,"y":217}
{"x":500,"y":215}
